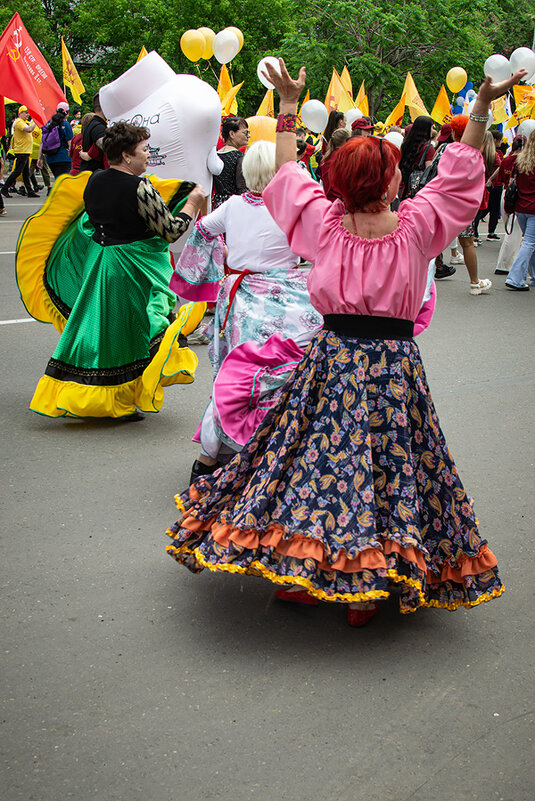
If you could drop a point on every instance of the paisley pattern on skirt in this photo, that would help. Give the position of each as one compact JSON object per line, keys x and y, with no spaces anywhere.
{"x":347,"y":487}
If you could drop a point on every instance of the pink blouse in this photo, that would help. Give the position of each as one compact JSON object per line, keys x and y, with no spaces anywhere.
{"x":383,"y":277}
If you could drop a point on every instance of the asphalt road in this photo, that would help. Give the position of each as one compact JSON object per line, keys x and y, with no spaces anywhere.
{"x":126,"y":678}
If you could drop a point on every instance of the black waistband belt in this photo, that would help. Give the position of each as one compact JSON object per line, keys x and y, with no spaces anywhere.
{"x":369,"y":327}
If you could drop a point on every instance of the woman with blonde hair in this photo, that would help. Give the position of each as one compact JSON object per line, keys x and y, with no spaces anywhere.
{"x":492,"y":163}
{"x":259,"y":292}
{"x":524,"y":172}
{"x":466,"y":237}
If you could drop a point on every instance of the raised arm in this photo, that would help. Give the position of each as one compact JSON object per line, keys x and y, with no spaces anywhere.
{"x":289,"y":91}
{"x":488,"y":91}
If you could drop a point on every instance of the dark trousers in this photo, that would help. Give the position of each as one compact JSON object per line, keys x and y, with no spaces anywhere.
{"x":493,"y":210}
{"x":495,"y":199}
{"x":60,"y":167}
{"x":21,"y":167}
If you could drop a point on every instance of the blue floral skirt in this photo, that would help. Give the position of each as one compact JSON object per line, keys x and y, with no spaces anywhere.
{"x":347,"y":488}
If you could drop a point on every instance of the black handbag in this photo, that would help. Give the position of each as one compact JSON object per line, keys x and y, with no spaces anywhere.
{"x":511,"y":194}
{"x":415,"y":178}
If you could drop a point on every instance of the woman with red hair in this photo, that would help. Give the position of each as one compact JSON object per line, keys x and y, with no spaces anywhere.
{"x":348,"y":487}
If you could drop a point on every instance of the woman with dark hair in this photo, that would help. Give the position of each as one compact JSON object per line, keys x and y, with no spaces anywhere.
{"x":100,"y":275}
{"x":336,"y":120}
{"x":417,"y":151}
{"x":348,"y":487}
{"x":230,"y":181}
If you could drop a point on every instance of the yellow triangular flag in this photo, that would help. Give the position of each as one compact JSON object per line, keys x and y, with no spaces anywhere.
{"x":337,"y":98}
{"x":142,"y":53}
{"x":441,"y":112}
{"x":267,"y":106}
{"x":413,"y":99}
{"x":396,"y":116}
{"x":229,"y":104}
{"x":512,"y":122}
{"x":499,"y":111}
{"x":70,"y":74}
{"x":520,"y":93}
{"x":345,"y":77}
{"x":525,"y":108}
{"x":225,"y":84}
{"x":361,"y":100}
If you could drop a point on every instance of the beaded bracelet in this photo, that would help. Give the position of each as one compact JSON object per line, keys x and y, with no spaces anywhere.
{"x":286,"y":123}
{"x":479,"y":117}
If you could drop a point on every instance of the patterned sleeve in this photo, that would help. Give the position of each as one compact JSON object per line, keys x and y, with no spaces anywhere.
{"x":152,"y":208}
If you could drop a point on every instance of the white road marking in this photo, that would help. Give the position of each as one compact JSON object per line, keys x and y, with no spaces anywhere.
{"x":7,"y":252}
{"x":22,"y":320}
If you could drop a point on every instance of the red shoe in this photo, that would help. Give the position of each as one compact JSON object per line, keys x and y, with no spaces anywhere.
{"x":359,"y":617}
{"x":296,"y":596}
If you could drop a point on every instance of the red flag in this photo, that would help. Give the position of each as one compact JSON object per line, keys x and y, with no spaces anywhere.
{"x":24,"y":74}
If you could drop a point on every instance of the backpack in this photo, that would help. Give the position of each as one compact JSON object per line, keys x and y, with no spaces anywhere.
{"x":415,"y":178}
{"x":51,"y":142}
{"x":511,"y":194}
{"x":431,"y":172}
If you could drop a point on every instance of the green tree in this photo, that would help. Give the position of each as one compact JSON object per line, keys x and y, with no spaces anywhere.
{"x":380,"y":40}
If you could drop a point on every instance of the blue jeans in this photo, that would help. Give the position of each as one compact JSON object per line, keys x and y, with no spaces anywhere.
{"x":525,"y":259}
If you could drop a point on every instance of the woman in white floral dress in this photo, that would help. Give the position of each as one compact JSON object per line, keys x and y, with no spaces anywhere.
{"x":239,"y":257}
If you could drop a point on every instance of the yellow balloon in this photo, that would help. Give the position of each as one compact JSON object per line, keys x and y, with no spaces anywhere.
{"x":209,"y":36}
{"x":262,"y":128}
{"x":238,"y":33}
{"x":192,"y":44}
{"x":456,"y":79}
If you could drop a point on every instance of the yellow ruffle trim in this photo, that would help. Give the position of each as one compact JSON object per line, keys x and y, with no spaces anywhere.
{"x":170,"y":365}
{"x":41,"y":231}
{"x":36,"y":240}
{"x":258,"y":569}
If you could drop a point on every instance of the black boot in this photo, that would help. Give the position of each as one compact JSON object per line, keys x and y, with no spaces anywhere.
{"x":199,"y":469}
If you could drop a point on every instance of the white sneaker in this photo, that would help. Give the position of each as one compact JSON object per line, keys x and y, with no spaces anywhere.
{"x":483,"y":285}
{"x":458,"y":259}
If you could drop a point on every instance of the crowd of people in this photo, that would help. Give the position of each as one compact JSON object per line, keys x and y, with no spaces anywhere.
{"x":322,"y":465}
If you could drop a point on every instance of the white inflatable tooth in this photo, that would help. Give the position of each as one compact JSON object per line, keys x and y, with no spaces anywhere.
{"x":182,"y":113}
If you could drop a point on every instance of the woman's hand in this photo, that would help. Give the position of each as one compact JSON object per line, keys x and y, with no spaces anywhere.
{"x":288,"y":89}
{"x":194,"y":201}
{"x":489,"y":91}
{"x":196,"y":196}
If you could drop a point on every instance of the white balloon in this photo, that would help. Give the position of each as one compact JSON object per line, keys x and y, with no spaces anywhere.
{"x":530,"y":80}
{"x":497,"y":67}
{"x":352,"y":115}
{"x":314,"y":115}
{"x":523,"y":58}
{"x":525,"y":128}
{"x":395,"y":137}
{"x":471,"y":106}
{"x":470,"y":95}
{"x":225,"y":46}
{"x":272,"y":61}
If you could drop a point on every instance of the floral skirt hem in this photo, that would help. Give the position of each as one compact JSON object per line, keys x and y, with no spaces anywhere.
{"x":413,"y":591}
